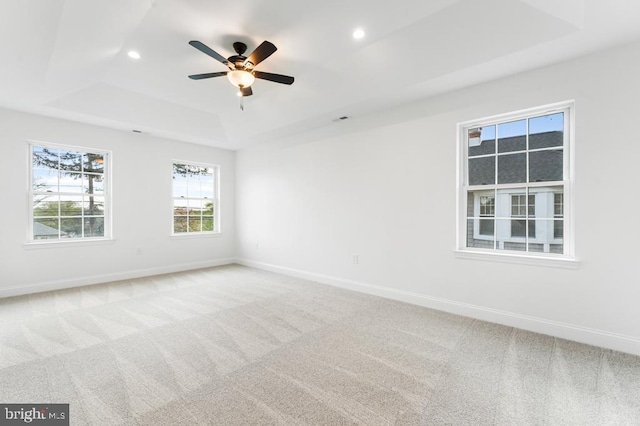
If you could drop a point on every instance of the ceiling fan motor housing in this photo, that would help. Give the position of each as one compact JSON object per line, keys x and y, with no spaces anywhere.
{"x":239,"y":61}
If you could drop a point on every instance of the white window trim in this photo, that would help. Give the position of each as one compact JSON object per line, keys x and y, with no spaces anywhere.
{"x":217,"y":222}
{"x":75,"y":243}
{"x":31,"y":243}
{"x":566,"y":260}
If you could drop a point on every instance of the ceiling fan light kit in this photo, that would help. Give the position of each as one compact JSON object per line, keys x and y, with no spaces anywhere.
{"x":241,"y":68}
{"x":240,"y":78}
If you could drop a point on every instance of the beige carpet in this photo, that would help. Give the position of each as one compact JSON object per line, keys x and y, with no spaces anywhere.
{"x":235,"y":345}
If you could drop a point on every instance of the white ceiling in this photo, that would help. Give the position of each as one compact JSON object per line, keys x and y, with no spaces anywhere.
{"x":68,"y":58}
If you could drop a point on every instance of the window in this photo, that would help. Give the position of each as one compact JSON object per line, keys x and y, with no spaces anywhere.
{"x":69,"y":193}
{"x":195,"y":198}
{"x":515,"y":181}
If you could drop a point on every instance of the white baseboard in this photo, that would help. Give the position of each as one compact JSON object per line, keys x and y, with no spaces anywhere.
{"x":604,"y":339}
{"x":105,"y":278}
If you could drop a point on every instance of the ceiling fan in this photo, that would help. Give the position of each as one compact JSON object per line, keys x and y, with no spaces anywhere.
{"x":241,"y":68}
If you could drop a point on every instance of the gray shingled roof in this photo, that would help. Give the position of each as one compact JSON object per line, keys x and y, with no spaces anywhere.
{"x":544,"y":165}
{"x":41,"y":230}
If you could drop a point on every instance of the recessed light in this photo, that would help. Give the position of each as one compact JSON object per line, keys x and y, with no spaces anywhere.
{"x":133,"y":54}
{"x":358,"y":33}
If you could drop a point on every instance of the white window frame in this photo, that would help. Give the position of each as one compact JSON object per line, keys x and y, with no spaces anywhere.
{"x":107,"y":182}
{"x":567,"y":259}
{"x":216,"y":202}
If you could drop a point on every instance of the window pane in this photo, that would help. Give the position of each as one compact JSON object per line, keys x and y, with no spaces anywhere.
{"x":512,"y":168}
{"x":194,"y":224}
{"x":45,"y":180}
{"x":512,"y":136}
{"x":180,"y":224}
{"x":208,"y":208}
{"x":195,"y":207}
{"x":517,"y":228}
{"x":482,"y":140}
{"x":45,"y":229}
{"x":201,"y":183}
{"x":93,"y":163}
{"x":486,"y":226}
{"x":70,"y":161}
{"x":179,"y":186}
{"x":545,"y":166}
{"x":94,"y":226}
{"x":180,"y":207}
{"x":482,"y":171}
{"x":557,"y":244}
{"x":206,"y":189}
{"x":46,"y":206}
{"x":558,"y":229}
{"x":44,"y":157}
{"x":71,"y":227}
{"x":70,"y":182}
{"x":545,"y":198}
{"x":93,"y":184}
{"x":474,"y":239}
{"x":546,"y":131}
{"x":207,"y":223}
{"x":93,"y":206}
{"x":505,"y":230}
{"x":71,"y":206}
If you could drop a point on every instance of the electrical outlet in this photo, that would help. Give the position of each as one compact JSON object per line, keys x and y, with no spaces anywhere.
{"x":139,"y":251}
{"x":257,"y":245}
{"x":354,"y":258}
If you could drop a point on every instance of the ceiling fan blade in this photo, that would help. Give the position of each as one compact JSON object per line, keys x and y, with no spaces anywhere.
{"x":207,"y":75}
{"x":262,"y":52}
{"x":246,"y":91}
{"x":278,"y":78}
{"x":209,"y":51}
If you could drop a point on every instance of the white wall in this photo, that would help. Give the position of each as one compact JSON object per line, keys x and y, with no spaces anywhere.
{"x":141,"y":190}
{"x":385,"y":187}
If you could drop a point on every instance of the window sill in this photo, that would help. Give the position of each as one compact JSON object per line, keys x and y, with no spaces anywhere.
{"x":188,"y":235}
{"x":551,"y":262}
{"x":33,"y":245}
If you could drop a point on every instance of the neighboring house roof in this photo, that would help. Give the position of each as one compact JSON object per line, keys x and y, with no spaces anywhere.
{"x":41,"y":230}
{"x":536,"y":141}
{"x":544,"y":165}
